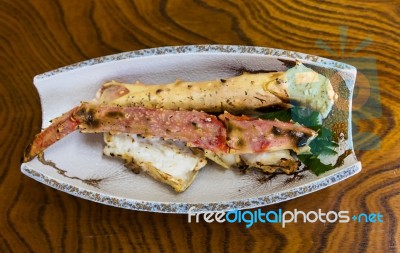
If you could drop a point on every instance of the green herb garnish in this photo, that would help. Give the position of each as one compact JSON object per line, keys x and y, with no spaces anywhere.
{"x":314,"y":164}
{"x":306,"y":117}
{"x":323,"y":144}
{"x":283,"y":115}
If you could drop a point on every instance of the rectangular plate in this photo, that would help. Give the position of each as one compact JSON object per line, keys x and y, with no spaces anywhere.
{"x":84,"y":172}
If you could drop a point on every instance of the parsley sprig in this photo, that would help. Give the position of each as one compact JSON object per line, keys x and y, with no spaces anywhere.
{"x":323,"y":144}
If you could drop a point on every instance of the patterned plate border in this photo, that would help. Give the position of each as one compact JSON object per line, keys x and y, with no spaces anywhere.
{"x":161,"y":207}
{"x":201,"y":49}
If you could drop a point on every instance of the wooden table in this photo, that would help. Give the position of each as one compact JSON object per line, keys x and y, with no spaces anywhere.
{"x":39,"y":35}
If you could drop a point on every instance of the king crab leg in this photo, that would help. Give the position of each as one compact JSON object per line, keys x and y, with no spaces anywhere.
{"x":59,"y":128}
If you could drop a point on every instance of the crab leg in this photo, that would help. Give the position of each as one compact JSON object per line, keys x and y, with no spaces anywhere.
{"x":59,"y":128}
{"x":228,"y":134}
{"x":249,"y":135}
{"x":197,"y":129}
{"x":235,"y":94}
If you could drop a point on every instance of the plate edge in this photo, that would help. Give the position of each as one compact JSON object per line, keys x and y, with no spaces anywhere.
{"x":183,"y":208}
{"x":203,"y":48}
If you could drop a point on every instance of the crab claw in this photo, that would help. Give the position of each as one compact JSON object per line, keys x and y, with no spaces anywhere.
{"x":59,"y":128}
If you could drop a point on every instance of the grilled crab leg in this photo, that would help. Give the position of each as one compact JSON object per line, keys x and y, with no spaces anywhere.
{"x":241,"y":93}
{"x":197,"y":129}
{"x":59,"y":128}
{"x":235,"y":94}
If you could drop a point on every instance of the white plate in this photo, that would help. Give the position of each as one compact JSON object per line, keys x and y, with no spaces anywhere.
{"x":90,"y":175}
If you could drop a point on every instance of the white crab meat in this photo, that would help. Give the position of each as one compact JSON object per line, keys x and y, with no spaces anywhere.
{"x":267,"y":161}
{"x":170,"y":162}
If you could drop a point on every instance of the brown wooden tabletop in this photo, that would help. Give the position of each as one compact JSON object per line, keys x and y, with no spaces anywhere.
{"x":39,"y":35}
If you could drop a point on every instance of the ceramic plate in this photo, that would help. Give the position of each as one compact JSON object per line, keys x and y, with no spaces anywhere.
{"x":80,"y":168}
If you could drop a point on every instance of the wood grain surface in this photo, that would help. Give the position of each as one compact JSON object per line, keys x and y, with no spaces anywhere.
{"x":41,"y":35}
